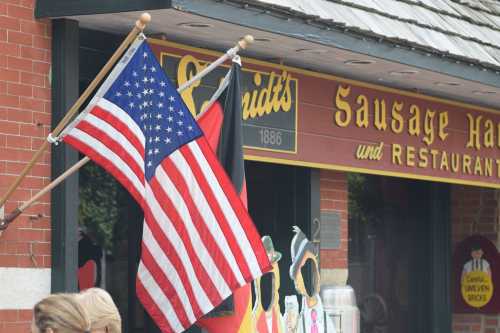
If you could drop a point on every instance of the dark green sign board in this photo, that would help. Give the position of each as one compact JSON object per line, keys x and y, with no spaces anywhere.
{"x":269,"y":100}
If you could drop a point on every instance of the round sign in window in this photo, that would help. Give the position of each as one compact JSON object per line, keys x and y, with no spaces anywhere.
{"x":477,"y":288}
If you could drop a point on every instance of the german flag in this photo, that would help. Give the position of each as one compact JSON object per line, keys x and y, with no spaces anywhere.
{"x":222,"y":126}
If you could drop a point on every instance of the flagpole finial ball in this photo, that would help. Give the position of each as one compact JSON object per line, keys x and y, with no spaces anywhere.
{"x":245,"y":41}
{"x":145,"y":18}
{"x":143,"y":21}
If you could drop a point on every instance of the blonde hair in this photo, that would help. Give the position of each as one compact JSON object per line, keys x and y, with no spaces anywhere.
{"x":101,"y":310}
{"x":61,"y":313}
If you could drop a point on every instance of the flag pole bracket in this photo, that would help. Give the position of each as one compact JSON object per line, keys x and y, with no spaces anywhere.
{"x":139,"y":27}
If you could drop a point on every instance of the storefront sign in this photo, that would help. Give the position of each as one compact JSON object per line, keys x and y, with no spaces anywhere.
{"x":269,"y":97}
{"x":342,"y":124}
{"x":477,"y":276}
{"x":418,"y":135}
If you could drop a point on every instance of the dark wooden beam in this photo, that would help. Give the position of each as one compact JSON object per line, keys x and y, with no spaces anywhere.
{"x":61,"y":8}
{"x":440,"y":208}
{"x":64,"y":207}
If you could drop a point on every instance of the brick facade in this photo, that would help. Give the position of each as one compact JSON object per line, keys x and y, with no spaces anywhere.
{"x":25,"y":107}
{"x":474,"y":211}
{"x":15,"y":321}
{"x":334,"y":196}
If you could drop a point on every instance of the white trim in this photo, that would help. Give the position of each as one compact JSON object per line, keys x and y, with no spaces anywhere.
{"x":22,"y":288}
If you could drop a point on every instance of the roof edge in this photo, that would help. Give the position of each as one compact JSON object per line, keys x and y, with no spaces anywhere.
{"x":298,"y":25}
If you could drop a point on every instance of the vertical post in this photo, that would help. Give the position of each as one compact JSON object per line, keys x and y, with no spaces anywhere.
{"x":440,"y":234}
{"x":314,"y":212}
{"x":64,"y":207}
{"x":315,"y":196}
{"x":420,"y":258}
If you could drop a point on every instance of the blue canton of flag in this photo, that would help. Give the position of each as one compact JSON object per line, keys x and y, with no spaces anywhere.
{"x":147,"y":95}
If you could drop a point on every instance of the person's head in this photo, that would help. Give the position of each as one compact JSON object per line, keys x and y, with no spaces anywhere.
{"x":476,"y":252}
{"x":102,"y":311}
{"x":59,"y":313}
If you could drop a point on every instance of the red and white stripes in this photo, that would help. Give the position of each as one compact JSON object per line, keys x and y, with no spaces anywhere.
{"x":202,"y":226}
{"x":199,"y":243}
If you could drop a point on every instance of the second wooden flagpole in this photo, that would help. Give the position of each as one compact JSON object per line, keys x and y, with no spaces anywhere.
{"x":242,"y":44}
{"x":138,"y":28}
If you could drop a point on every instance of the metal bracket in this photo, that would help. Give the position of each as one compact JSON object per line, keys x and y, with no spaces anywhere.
{"x":316,"y":231}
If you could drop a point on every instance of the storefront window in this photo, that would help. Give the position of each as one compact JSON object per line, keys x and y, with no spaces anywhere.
{"x":390,"y":252}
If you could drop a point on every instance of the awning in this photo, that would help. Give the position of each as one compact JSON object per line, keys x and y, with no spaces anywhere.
{"x":302,"y":39}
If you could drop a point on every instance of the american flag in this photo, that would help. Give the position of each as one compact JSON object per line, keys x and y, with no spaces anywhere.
{"x":199,"y":243}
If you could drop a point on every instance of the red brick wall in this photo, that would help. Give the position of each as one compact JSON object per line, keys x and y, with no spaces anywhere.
{"x":334,"y":196}
{"x":15,"y":321}
{"x":471,"y":204}
{"x":474,"y":210}
{"x":25,"y":55}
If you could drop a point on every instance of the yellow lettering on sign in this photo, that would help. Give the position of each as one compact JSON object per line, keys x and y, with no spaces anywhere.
{"x":410,"y":156}
{"x":498,"y":136}
{"x":478,"y":170}
{"x":444,"y":162}
{"x":489,"y":134}
{"x":185,"y":72}
{"x":396,"y":154}
{"x":434,"y":153}
{"x":423,"y":158}
{"x":429,"y":127}
{"x":369,"y":152}
{"x":253,"y":107}
{"x":476,"y":288}
{"x":414,"y":123}
{"x":455,"y":162}
{"x":474,"y":132}
{"x":264,"y":105}
{"x":362,"y":112}
{"x":276,"y":93}
{"x":397,"y":122}
{"x":466,"y":164}
{"x":488,"y":167}
{"x":343,"y":114}
{"x":443,"y":123}
{"x":426,"y":125}
{"x":275,"y":96}
{"x":286,"y":98}
{"x":380,"y":115}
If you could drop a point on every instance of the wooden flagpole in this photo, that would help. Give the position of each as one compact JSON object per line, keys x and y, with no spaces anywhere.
{"x":138,"y":28}
{"x":232,"y":52}
{"x":16,"y":212}
{"x":242,"y":44}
